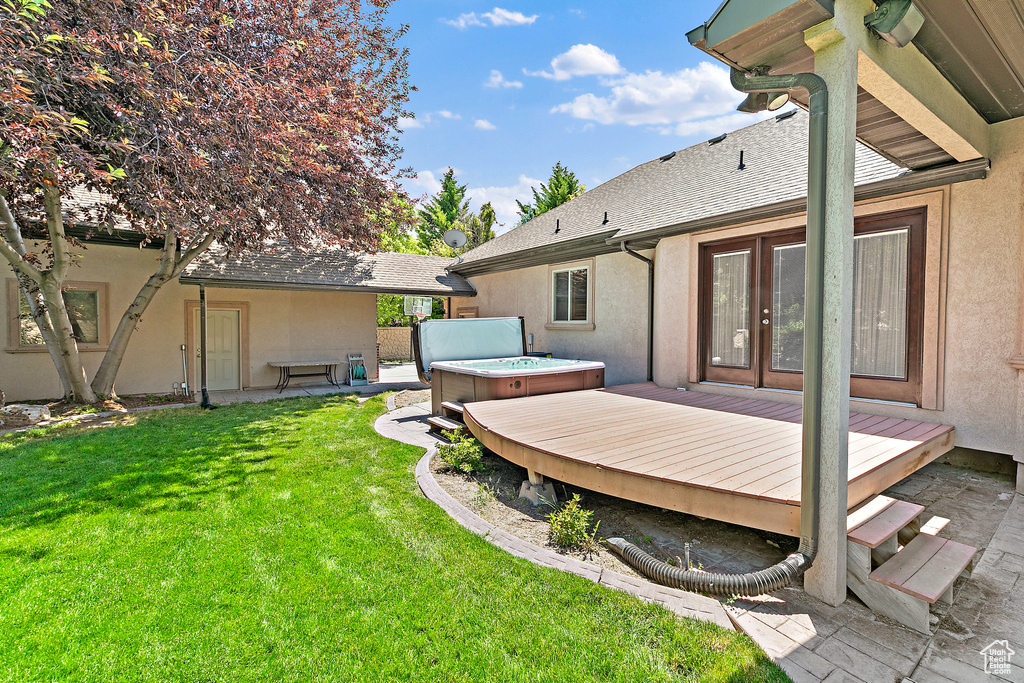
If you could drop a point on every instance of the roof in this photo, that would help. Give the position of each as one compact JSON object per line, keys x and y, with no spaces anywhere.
{"x":328,"y":269}
{"x":699,"y":187}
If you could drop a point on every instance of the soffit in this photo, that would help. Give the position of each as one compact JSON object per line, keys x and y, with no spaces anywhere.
{"x":978,"y":45}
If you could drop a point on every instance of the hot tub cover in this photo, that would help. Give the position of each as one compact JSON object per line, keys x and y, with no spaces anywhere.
{"x":467,"y":339}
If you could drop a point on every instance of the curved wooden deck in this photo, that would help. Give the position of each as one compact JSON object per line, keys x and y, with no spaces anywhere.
{"x":731,"y":459}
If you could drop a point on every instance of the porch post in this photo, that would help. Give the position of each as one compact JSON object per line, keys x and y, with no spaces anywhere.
{"x":1017,"y":361}
{"x":835,"y":45}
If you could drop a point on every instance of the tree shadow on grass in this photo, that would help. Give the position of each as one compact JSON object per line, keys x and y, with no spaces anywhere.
{"x":168,"y":461}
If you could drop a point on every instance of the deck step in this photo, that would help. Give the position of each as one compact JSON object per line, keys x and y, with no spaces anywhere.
{"x":452,"y":409}
{"x":926,"y":567}
{"x":880,"y":519}
{"x":438,"y":423}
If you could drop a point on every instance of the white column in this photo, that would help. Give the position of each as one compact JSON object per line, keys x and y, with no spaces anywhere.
{"x":1017,"y":361}
{"x":835,"y":45}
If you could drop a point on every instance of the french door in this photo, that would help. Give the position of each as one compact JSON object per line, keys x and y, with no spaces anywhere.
{"x":752,"y":308}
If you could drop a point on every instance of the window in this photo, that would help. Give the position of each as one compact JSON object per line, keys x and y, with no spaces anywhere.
{"x":752,"y":308}
{"x":571,"y":296}
{"x":86,"y":304}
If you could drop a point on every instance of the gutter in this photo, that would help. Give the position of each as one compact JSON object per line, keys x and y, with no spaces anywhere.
{"x":914,"y":181}
{"x":650,"y":308}
{"x":303,"y":287}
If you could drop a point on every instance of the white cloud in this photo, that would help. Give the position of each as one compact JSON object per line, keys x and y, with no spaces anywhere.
{"x":445,"y":114}
{"x":408,"y":123}
{"x":496,"y":17}
{"x":484,"y":124}
{"x":504,"y":17}
{"x":425,"y":182}
{"x":580,"y":60}
{"x":503,"y":199}
{"x":687,"y":102}
{"x":498,"y":81}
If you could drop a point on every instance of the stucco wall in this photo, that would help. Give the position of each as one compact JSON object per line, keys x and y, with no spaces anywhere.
{"x":283,"y":325}
{"x":619,"y":337}
{"x":977,"y":280}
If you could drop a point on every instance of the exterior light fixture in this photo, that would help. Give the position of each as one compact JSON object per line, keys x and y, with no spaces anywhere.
{"x":895,"y":21}
{"x":763,"y":101}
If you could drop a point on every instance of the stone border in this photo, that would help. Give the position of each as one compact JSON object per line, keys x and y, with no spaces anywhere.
{"x":684,"y":604}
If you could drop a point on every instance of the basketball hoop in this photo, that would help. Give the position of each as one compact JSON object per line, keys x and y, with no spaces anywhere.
{"x":419,"y":307}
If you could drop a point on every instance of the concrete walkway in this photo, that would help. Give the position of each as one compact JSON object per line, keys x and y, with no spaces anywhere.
{"x":393,"y":377}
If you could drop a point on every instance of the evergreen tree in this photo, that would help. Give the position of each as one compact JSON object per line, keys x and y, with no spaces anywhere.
{"x":560,"y":188}
{"x":443,"y":210}
{"x":479,"y":228}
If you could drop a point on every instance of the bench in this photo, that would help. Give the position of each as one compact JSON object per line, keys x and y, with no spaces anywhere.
{"x":330,"y":371}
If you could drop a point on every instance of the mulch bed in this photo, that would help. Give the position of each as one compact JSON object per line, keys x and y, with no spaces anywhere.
{"x":61,"y":408}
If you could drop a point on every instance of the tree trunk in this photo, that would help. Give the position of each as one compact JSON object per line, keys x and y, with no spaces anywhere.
{"x":103,"y":381}
{"x":65,"y":339}
{"x":42,"y":320}
{"x":170,"y":267}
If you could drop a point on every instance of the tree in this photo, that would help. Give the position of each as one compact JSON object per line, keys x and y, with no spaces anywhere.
{"x":443,"y":210}
{"x":560,"y":188}
{"x":480,"y":228}
{"x":228,"y":121}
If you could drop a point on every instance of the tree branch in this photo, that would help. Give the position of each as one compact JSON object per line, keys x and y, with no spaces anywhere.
{"x":55,"y":226}
{"x":13,"y":247}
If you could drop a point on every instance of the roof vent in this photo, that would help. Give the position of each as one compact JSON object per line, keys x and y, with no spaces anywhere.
{"x":557,"y":227}
{"x":715,"y":141}
{"x":667,"y":156}
{"x":786,"y":115}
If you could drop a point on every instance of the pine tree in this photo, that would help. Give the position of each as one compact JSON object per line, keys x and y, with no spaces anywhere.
{"x":443,"y":210}
{"x":560,"y":188}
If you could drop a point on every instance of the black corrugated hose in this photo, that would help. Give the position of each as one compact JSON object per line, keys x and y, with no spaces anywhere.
{"x":745,"y":585}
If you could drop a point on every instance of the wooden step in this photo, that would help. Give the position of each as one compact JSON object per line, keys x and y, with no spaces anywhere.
{"x":926,"y":567}
{"x":881,"y":519}
{"x":452,"y":409}
{"x":437,"y":423}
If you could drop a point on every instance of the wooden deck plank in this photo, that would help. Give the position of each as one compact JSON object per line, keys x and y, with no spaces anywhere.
{"x":926,"y":567}
{"x":747,"y":448}
{"x":885,"y":524}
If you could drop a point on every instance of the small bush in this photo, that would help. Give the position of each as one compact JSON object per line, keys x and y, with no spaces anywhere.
{"x":570,"y":525}
{"x":463,"y":453}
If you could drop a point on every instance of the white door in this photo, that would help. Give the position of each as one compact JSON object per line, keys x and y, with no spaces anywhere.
{"x":223,"y":353}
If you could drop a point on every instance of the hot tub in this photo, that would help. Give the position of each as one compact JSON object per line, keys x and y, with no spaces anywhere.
{"x":494,"y":378}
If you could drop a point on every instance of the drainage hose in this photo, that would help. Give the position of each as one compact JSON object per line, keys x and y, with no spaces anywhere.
{"x":760,"y":582}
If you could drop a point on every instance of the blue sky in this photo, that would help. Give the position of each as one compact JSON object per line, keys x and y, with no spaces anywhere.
{"x":507,"y":90}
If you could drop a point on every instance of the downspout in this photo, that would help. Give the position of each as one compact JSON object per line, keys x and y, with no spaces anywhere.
{"x":202,"y":348}
{"x":650,"y":308}
{"x":781,"y":574}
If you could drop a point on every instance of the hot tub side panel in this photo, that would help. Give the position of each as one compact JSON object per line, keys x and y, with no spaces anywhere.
{"x":454,"y":386}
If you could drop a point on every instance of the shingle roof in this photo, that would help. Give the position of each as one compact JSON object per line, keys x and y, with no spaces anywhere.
{"x":330,"y":268}
{"x":696,"y":183}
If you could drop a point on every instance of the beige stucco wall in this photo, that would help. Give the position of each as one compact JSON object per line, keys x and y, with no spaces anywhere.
{"x":977,"y":286}
{"x":283,"y":325}
{"x":619,"y":337}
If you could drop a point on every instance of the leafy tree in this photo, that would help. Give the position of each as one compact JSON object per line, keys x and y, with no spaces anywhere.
{"x":443,"y":210}
{"x":240,"y":123}
{"x":560,"y":188}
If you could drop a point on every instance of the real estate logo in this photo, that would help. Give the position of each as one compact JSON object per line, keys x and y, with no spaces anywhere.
{"x":997,"y":657}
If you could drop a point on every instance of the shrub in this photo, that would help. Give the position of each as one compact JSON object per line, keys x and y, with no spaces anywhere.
{"x":570,"y":525}
{"x":463,"y":453}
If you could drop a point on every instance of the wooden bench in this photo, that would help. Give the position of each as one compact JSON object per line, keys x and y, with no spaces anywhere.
{"x":285,"y":370}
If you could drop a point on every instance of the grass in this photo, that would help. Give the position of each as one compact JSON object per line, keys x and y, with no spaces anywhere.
{"x":287,"y":541}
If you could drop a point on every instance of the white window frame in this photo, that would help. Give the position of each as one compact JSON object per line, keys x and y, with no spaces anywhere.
{"x":588,"y":323}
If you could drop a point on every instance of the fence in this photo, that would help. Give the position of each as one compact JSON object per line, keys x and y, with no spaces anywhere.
{"x":394,"y":343}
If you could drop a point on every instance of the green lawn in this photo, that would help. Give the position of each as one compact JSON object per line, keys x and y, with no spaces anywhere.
{"x":288,"y":542}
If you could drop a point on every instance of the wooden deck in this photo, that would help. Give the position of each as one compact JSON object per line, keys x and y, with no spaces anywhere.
{"x":733,"y":459}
